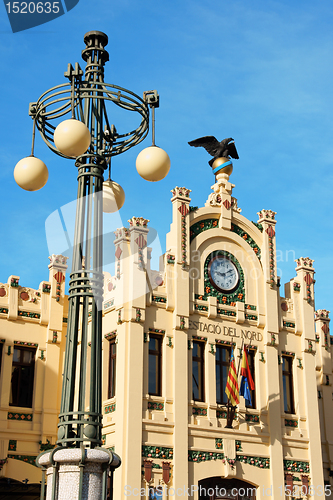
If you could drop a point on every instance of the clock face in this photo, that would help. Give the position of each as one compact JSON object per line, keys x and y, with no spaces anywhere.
{"x":223,"y":274}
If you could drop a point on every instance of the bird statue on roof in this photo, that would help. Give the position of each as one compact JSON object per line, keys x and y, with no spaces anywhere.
{"x":223,"y":149}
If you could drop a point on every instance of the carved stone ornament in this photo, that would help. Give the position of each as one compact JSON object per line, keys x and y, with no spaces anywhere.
{"x":235,"y":206}
{"x":214,"y":200}
{"x":58,"y":261}
{"x":322,"y":314}
{"x":266,"y":215}
{"x":305,"y":262}
{"x":181,"y":192}
{"x":121,"y":233}
{"x":138,"y":222}
{"x":148,"y":464}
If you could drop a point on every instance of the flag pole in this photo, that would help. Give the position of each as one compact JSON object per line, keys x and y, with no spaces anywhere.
{"x":231,"y":409}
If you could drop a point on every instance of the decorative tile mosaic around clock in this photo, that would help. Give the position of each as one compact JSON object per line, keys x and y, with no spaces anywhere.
{"x":237,"y":295}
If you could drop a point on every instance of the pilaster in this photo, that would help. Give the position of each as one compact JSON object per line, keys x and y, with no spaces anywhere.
{"x":57,"y":275}
{"x":268,"y":259}
{"x":178,"y":244}
{"x":138,"y":288}
{"x":305,"y":276}
{"x":324,"y":352}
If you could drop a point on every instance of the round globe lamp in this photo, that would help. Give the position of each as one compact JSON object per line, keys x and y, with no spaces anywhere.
{"x":153,"y":164}
{"x":72,"y":138}
{"x":31,"y":174}
{"x":113,"y":196}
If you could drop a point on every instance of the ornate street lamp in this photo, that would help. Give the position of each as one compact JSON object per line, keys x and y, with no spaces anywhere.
{"x":87,"y":136}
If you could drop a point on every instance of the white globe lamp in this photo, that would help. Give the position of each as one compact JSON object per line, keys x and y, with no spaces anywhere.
{"x":72,"y":138}
{"x":113,"y":196}
{"x":153,"y":164}
{"x":31,"y":174}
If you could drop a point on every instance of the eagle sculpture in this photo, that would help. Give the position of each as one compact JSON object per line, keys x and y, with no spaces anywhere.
{"x":215,"y":148}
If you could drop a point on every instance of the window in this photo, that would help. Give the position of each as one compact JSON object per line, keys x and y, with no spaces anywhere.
{"x":112,"y":368}
{"x":22,"y":383}
{"x":287,"y":380}
{"x":198,"y":370}
{"x":155,"y":365}
{"x":222,"y":362}
{"x":250,"y":358}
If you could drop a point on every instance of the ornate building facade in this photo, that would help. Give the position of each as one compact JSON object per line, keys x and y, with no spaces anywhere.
{"x":168,"y":340}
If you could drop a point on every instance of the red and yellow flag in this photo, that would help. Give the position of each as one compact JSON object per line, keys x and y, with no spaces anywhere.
{"x":231,"y":388}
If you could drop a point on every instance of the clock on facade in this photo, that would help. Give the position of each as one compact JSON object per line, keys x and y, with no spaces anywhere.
{"x":223,"y":274}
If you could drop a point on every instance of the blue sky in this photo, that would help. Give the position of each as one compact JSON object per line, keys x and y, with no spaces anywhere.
{"x":258,"y":71}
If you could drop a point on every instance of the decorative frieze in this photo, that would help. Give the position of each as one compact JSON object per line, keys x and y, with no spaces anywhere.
{"x":22,"y":417}
{"x":271,"y":233}
{"x":261,"y":462}
{"x":253,"y":419}
{"x":203,"y":225}
{"x":159,"y":299}
{"x":138,"y":315}
{"x":201,"y":412}
{"x":225,"y":342}
{"x":110,"y":408}
{"x":198,"y":337}
{"x":308,"y":281}
{"x":258,"y":225}
{"x":108,"y":304}
{"x":157,"y":452}
{"x":226,"y":312}
{"x":119,"y":320}
{"x":183,"y":209}
{"x":45,"y":446}
{"x":110,"y":335}
{"x":219,"y":443}
{"x":12,"y":445}
{"x":29,"y":459}
{"x":288,"y":353}
{"x":170,"y":259}
{"x":199,"y":307}
{"x":203,"y":456}
{"x":3,"y":310}
{"x":288,"y":324}
{"x":296,"y":466}
{"x":152,"y":405}
{"x":223,"y":414}
{"x":156,"y":330}
{"x":27,"y":314}
{"x":46,"y":288}
{"x":25,"y":344}
{"x":290,"y":422}
{"x":200,"y":297}
{"x":14,"y":282}
{"x":251,"y":317}
{"x":246,"y":237}
{"x":296,"y":286}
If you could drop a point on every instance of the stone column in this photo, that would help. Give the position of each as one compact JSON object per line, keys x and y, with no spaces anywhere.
{"x":76,"y":474}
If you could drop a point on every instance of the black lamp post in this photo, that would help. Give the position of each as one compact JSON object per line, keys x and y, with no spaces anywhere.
{"x":88,"y":137}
